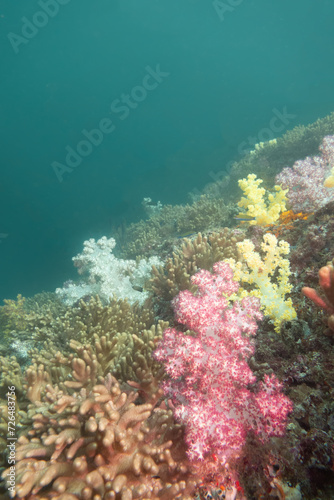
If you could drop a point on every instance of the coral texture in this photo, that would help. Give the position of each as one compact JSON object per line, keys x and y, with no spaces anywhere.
{"x":171,"y":222}
{"x":118,"y":338}
{"x":209,"y":374}
{"x":99,"y":445}
{"x":82,"y":436}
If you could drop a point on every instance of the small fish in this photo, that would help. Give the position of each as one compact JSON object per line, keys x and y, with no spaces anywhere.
{"x":244,"y":218}
{"x":138,"y":288}
{"x":185,"y":235}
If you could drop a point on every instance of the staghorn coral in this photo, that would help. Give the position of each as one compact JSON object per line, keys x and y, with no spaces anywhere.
{"x":99,"y":445}
{"x":10,"y":373}
{"x":32,"y":323}
{"x":204,"y":214}
{"x":83,"y":321}
{"x":93,"y":317}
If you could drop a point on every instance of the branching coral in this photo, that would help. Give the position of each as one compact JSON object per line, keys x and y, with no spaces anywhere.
{"x":81,"y":436}
{"x":12,"y":315}
{"x":100,"y":445}
{"x":170,"y":222}
{"x":199,"y":253}
{"x":117,"y":338}
{"x":10,"y":373}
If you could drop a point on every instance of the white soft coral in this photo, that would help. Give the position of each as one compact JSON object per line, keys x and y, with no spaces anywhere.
{"x":105,"y":275}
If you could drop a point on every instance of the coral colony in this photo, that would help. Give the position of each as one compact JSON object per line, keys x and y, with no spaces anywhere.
{"x":187,"y":367}
{"x":209,"y":374}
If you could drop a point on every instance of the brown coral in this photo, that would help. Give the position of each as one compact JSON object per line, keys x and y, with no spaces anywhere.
{"x":100,"y":445}
{"x":145,"y":238}
{"x":117,"y":339}
{"x":199,"y":253}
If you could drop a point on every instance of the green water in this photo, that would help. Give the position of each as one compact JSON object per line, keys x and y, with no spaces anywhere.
{"x":203,"y":77}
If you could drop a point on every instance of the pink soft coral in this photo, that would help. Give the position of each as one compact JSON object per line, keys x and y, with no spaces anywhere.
{"x":305,"y":180}
{"x":209,"y":373}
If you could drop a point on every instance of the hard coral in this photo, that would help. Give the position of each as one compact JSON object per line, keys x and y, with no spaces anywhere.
{"x":117,"y":339}
{"x":199,"y":253}
{"x":100,"y":445}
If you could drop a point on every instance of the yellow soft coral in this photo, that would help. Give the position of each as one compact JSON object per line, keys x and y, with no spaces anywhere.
{"x":264,"y":207}
{"x":269,"y":274}
{"x":329,"y":182}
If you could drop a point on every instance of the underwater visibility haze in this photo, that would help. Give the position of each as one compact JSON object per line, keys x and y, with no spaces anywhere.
{"x":166,"y":242}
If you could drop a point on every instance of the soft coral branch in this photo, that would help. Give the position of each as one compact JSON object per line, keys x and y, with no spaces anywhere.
{"x":208,"y":372}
